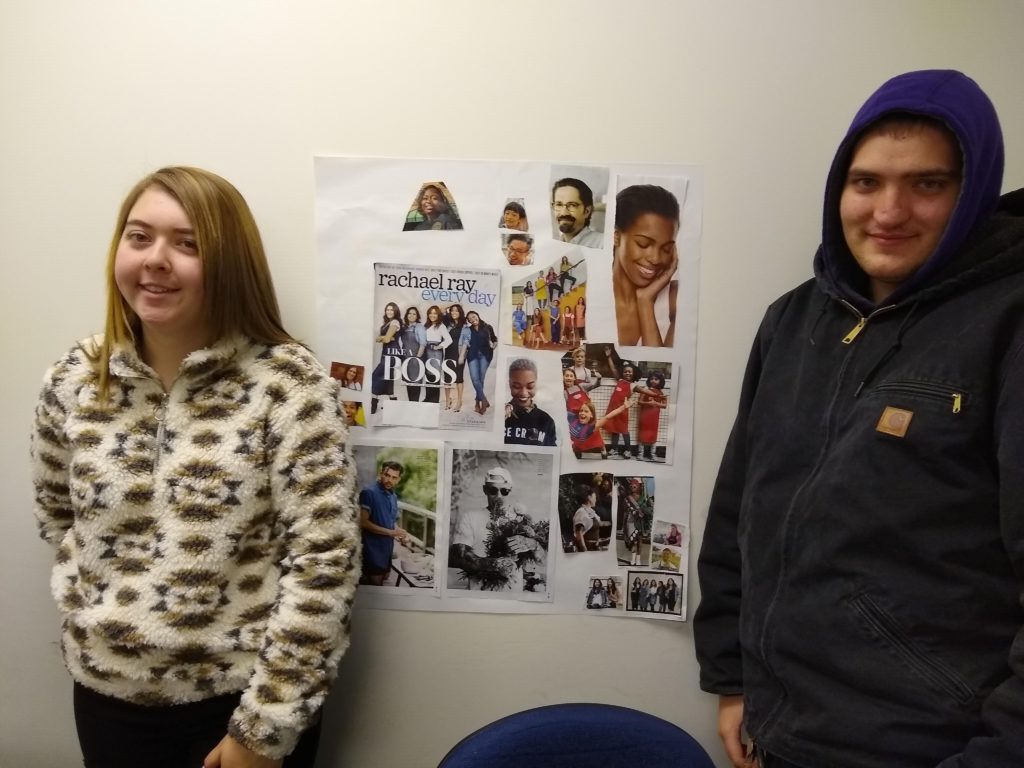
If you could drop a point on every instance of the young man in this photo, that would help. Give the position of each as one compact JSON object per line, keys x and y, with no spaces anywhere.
{"x":511,"y":557}
{"x":519,"y":250}
{"x":378,"y":518}
{"x":863,"y":560}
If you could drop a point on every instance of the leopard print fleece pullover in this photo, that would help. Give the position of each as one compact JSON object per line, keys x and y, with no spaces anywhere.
{"x":206,"y":537}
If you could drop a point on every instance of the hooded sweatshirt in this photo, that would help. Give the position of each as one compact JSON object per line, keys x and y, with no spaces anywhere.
{"x":863,"y":560}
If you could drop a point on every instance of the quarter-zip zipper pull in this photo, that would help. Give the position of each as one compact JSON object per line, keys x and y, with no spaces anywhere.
{"x":160,"y":414}
{"x":956,"y":402}
{"x":855,"y":330}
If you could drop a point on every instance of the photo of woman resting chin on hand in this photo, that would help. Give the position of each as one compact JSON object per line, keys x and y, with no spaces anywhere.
{"x":644,"y":260}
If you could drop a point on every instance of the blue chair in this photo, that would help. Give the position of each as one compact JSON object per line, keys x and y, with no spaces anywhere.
{"x":578,"y":736}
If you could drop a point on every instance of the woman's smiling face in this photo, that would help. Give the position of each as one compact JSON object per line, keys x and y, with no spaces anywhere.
{"x":646,"y":249}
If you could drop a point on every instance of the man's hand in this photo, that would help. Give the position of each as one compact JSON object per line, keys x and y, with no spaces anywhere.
{"x":730,"y":723}
{"x":521,"y":544}
{"x":230,"y":754}
{"x":402,"y":535}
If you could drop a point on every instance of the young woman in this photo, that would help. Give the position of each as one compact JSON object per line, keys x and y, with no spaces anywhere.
{"x":565,"y":274}
{"x":674,"y":538}
{"x":435,"y":210}
{"x":477,"y":350}
{"x":552,"y":283}
{"x":575,"y":396}
{"x":382,"y":385}
{"x":634,"y":594}
{"x":596,"y":597}
{"x":585,"y":519}
{"x":537,"y":335}
{"x":353,"y":411}
{"x":529,"y":298}
{"x":652,"y":402}
{"x":568,"y":326}
{"x":414,"y":342}
{"x":540,"y":288}
{"x":351,"y":379}
{"x":586,"y":378}
{"x":585,"y":429}
{"x":614,"y":598}
{"x":190,"y":469}
{"x":519,"y":323}
{"x":618,"y":426}
{"x":644,"y":258}
{"x":645,"y":591}
{"x":581,"y":319}
{"x":633,"y":516}
{"x":514,"y":217}
{"x":455,"y":321}
{"x":438,"y":340}
{"x":670,"y":595}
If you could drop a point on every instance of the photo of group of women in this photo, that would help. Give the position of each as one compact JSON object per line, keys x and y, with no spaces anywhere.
{"x":561,"y":298}
{"x":434,"y":346}
{"x":549,"y":308}
{"x":655,"y":595}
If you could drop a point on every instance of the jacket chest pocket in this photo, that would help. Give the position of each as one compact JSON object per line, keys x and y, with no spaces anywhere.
{"x":932,"y":392}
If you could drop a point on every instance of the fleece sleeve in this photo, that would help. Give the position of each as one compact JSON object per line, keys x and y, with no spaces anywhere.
{"x":50,"y":457}
{"x":1003,"y":708}
{"x":311,"y":479}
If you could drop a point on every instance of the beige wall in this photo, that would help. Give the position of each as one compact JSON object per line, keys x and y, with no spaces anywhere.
{"x":95,"y":94}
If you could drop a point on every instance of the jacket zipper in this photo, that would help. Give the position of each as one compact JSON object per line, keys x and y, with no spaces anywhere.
{"x":923,"y":389}
{"x":801,"y":491}
{"x":861,"y":320}
{"x":160,"y":414}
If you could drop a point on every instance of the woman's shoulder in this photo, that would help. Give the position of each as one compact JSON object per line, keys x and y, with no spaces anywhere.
{"x":289,"y":363}
{"x":79,"y":360}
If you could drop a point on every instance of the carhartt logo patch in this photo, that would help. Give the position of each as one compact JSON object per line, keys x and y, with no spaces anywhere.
{"x":895,"y":421}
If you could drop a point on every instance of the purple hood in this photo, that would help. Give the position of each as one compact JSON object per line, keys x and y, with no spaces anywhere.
{"x":956,"y":100}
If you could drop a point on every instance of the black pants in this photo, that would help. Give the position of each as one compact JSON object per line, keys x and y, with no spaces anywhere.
{"x":117,"y":734}
{"x":771,"y":761}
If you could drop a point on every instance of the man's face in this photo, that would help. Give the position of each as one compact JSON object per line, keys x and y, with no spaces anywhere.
{"x":523,"y":386}
{"x":569,"y":211}
{"x":900,"y":191}
{"x":517,"y":252}
{"x":495,"y":497}
{"x":389,"y":478}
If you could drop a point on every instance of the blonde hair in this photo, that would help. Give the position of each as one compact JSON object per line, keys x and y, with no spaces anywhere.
{"x":238,"y":290}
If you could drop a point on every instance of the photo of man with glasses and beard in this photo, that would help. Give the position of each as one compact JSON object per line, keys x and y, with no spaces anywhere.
{"x":572,"y":212}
